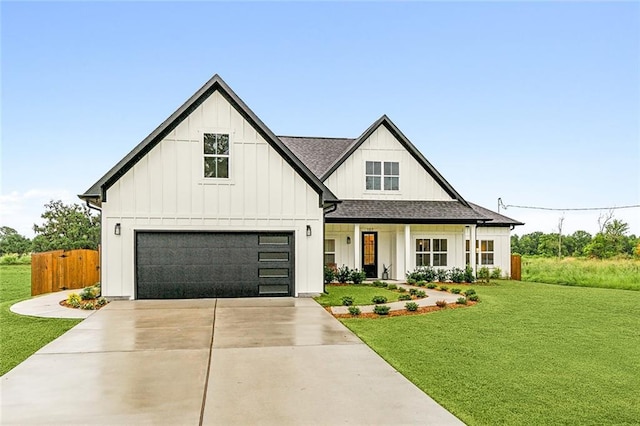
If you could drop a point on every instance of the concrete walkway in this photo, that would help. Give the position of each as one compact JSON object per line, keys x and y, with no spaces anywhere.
{"x":48,"y":306}
{"x":274,"y":361}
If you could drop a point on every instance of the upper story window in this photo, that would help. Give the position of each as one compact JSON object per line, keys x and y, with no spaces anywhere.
{"x":216,"y":155}
{"x":380,"y":175}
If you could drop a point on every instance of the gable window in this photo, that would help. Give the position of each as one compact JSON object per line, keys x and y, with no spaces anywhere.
{"x":376,"y":180}
{"x":216,"y":155}
{"x":431,"y":252}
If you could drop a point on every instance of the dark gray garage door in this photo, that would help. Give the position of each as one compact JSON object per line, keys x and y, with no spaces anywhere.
{"x":188,"y":265}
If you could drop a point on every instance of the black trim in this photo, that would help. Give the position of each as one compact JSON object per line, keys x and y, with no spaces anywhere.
{"x":372,"y":270}
{"x":403,"y":221}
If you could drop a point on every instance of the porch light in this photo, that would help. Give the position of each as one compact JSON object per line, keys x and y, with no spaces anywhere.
{"x":308,"y":230}
{"x":348,"y":240}
{"x":116,"y":230}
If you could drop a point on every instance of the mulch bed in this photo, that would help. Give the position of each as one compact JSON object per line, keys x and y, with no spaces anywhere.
{"x":403,"y":312}
{"x":82,"y":303}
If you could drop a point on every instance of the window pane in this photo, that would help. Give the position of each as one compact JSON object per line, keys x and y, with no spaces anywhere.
{"x":467,"y":246}
{"x":422,"y":260}
{"x":223,"y":167}
{"x":223,"y":145}
{"x":422,"y":245}
{"x":391,"y":183}
{"x":271,"y":289}
{"x":387,"y":168}
{"x":209,"y":143}
{"x":273,"y":239}
{"x":369,"y":168}
{"x":330,"y":246}
{"x":440,"y":259}
{"x":391,"y":168}
{"x":209,"y":167}
{"x":436,"y":245}
{"x":373,"y":182}
{"x":329,"y":258}
{"x":273,"y":256}
{"x":490,"y":245}
{"x":443,"y":245}
{"x":377,"y":168}
{"x":395,"y":169}
{"x":273,"y":272}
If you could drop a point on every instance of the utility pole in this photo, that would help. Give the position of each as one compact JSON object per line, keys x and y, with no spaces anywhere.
{"x":560,"y":236}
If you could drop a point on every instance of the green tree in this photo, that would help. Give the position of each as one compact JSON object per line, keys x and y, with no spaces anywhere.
{"x":67,"y":227}
{"x":12,"y":242}
{"x":577,"y":241}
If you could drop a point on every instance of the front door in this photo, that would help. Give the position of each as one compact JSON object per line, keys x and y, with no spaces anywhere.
{"x":370,"y":254}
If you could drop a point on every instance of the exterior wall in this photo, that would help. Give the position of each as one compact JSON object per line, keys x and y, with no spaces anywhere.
{"x":392,"y":245}
{"x":348,"y":181}
{"x":165,"y":190}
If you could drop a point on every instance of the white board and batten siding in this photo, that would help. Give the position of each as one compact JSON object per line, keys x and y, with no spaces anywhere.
{"x":166,"y":190}
{"x":348,"y":180}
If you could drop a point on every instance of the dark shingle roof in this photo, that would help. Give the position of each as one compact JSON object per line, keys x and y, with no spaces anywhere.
{"x":403,"y":211}
{"x":318,"y":154}
{"x":497,"y":218}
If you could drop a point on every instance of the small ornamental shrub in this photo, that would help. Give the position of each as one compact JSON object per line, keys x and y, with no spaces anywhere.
{"x":422,"y":273}
{"x":347,"y":300}
{"x":456,"y":290}
{"x":444,"y":288}
{"x":343,"y":274}
{"x":404,"y":297}
{"x":456,"y":275}
{"x":411,"y":280}
{"x":421,"y":283}
{"x":469,"y":292}
{"x":329,"y":275}
{"x":461,"y":301}
{"x":411,"y":306}
{"x":421,"y":294}
{"x":468,"y":274}
{"x":87,"y":293}
{"x":358,"y":276}
{"x":432,"y":285}
{"x":473,"y":297}
{"x":401,"y":289}
{"x":413,"y":291}
{"x":73,"y":300}
{"x":101,"y":301}
{"x":441,"y":303}
{"x":442,"y":275}
{"x":392,"y":287}
{"x":379,"y":299}
{"x":354,"y":310}
{"x":89,"y":306}
{"x":484,"y":274}
{"x":496,"y":274}
{"x":381,"y":309}
{"x":377,"y":283}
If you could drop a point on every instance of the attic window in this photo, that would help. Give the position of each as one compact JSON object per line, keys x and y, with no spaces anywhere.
{"x":375,"y":179}
{"x":216,"y":155}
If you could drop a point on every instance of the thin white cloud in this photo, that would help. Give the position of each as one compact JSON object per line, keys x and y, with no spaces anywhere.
{"x":21,"y":210}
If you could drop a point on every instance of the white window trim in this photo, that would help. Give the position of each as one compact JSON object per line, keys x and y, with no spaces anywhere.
{"x":381,"y":176}
{"x":216,"y":180}
{"x":431,"y":251}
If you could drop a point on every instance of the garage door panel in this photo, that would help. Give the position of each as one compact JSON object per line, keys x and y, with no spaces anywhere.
{"x":208,"y":264}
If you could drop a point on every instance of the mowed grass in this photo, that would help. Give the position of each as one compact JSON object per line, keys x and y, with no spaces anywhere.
{"x":21,"y":336}
{"x":622,"y":274}
{"x":361,"y":294}
{"x":528,"y":353}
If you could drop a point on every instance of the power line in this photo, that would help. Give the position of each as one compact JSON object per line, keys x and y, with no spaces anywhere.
{"x":506,"y":206}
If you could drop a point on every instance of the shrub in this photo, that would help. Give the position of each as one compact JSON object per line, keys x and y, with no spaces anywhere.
{"x":421,"y":294}
{"x":329,"y":275}
{"x":87,"y":293}
{"x":402,"y":289}
{"x":469,"y":292}
{"x":392,"y":287}
{"x":456,"y":275}
{"x":444,"y":288}
{"x":442,"y":275}
{"x":411,"y":306}
{"x":89,"y":306}
{"x":377,"y":283}
{"x":411,"y":280}
{"x":15,"y":259}
{"x":421,"y":283}
{"x":461,"y":301}
{"x":413,"y":291}
{"x":343,"y":274}
{"x":496,"y":274}
{"x":358,"y":276}
{"x":456,"y":290}
{"x":381,"y":309}
{"x":468,"y":274}
{"x":473,"y":297}
{"x":404,"y":297}
{"x":431,"y":285}
{"x":484,"y":274}
{"x":421,"y":273}
{"x":73,"y":300}
{"x":101,"y":301}
{"x":354,"y":310}
{"x":347,"y":300}
{"x":384,"y":284}
{"x":378,"y":299}
{"x":441,"y":303}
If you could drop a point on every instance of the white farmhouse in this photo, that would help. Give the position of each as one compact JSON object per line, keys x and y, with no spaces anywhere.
{"x":213,"y":204}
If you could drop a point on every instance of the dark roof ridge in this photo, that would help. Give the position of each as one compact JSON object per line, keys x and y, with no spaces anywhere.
{"x":97,"y":192}
{"x":313,"y":137}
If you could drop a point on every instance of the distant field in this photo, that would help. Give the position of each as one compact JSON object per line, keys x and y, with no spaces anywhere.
{"x":623,"y":274}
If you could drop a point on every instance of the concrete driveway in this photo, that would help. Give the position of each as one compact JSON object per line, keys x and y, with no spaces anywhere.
{"x":227,"y":361}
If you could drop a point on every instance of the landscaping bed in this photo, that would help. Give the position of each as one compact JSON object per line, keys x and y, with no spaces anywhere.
{"x":88,"y":299}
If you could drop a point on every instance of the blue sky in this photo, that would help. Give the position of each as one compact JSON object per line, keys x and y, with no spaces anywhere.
{"x":537,"y":103}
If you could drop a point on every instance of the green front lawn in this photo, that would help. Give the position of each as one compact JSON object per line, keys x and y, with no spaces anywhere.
{"x":21,"y":336}
{"x":361,"y":294}
{"x":526,"y":354}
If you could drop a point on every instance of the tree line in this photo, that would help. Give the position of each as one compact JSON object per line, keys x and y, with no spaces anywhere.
{"x":612,"y":240}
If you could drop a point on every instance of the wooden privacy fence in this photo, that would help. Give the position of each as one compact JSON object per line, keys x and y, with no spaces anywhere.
{"x":63,"y":270}
{"x":516,"y":267}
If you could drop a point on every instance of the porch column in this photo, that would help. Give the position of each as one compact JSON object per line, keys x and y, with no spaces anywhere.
{"x":472,"y":249}
{"x":356,"y":246}
{"x":398,"y":270}
{"x":407,"y":249}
